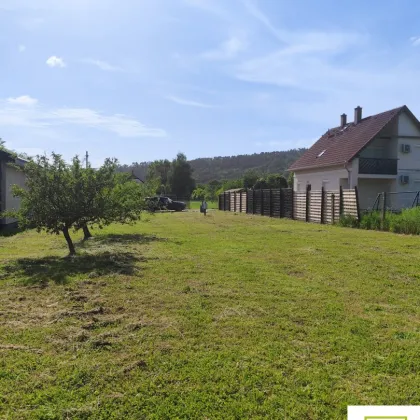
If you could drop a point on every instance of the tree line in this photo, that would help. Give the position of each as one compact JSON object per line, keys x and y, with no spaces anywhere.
{"x":251,"y":179}
{"x":222,"y":168}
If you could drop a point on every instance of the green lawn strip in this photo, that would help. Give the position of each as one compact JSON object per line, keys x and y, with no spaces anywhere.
{"x":228,"y":316}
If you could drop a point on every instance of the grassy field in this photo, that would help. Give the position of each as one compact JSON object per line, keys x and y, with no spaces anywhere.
{"x":228,"y":316}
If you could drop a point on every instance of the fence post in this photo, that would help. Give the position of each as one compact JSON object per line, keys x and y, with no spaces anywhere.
{"x":356,"y":191}
{"x":253,"y":201}
{"x":307,"y":204}
{"x":384,"y":209}
{"x":246,"y":200}
{"x":322,"y":205}
{"x":240,"y":202}
{"x":341,"y":201}
{"x":333,"y":208}
{"x":281,"y":209}
{"x":234,"y":202}
{"x":271,"y":204}
{"x":293,"y":203}
{"x":262,"y":202}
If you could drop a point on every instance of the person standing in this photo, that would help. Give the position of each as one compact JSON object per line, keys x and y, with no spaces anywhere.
{"x":204,"y":207}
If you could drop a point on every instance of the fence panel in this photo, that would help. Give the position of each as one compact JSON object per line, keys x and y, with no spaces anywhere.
{"x":286,"y":203}
{"x":299,"y":205}
{"x":266,"y":203}
{"x":276,"y":203}
{"x":315,"y":206}
{"x":258,"y":201}
{"x":250,"y":201}
{"x":331,"y":206}
{"x":350,"y":203}
{"x":312,"y":206}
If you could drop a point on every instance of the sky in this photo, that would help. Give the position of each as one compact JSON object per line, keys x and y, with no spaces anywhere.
{"x":145,"y":79}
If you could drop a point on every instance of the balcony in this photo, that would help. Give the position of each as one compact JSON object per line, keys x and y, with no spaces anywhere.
{"x":374,"y":166}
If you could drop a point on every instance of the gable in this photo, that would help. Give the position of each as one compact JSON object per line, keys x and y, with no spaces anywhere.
{"x":342,"y":144}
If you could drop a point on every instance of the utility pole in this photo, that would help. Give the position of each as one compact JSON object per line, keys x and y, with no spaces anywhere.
{"x":87,"y":159}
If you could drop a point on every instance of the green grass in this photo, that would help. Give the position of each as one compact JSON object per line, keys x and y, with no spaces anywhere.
{"x":228,"y":316}
{"x":195,"y":205}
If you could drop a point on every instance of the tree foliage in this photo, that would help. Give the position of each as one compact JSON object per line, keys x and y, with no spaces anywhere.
{"x":58,"y":196}
{"x":181,"y":180}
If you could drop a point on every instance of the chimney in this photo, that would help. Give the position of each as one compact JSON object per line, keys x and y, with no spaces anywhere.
{"x":357,"y":115}
{"x":343,"y":120}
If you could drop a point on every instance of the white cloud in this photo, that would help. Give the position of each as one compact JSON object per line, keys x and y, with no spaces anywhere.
{"x":227,"y":50}
{"x":188,"y":102}
{"x":23,"y":100}
{"x":415,"y":41}
{"x":55,"y":61}
{"x":22,"y":48}
{"x":11,"y":114}
{"x":103,"y":65}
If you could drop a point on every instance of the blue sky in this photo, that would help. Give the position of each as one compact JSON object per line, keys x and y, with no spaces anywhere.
{"x":143,"y":79}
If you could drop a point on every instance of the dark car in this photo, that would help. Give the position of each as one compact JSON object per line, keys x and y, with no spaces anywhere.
{"x":165,"y":203}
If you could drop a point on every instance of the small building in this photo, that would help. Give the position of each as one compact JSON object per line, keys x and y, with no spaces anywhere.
{"x":378,"y":153}
{"x":9,"y":176}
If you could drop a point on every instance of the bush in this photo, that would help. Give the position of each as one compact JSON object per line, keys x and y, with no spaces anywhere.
{"x":407,"y":222}
{"x":346,"y":220}
{"x":371,"y":221}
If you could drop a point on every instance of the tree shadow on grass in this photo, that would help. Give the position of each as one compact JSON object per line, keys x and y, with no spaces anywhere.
{"x":127,"y":238}
{"x":39,"y":271}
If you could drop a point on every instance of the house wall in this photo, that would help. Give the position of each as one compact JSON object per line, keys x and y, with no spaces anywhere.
{"x":408,"y":163}
{"x":329,"y":178}
{"x":10,"y":177}
{"x":369,"y":188}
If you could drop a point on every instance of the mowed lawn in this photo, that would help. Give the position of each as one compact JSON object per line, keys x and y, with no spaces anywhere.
{"x":219,"y":317}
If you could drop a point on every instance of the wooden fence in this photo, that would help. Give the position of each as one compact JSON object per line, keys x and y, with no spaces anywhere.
{"x":310,"y":206}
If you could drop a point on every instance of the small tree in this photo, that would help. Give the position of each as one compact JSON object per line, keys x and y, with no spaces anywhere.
{"x":48,"y":202}
{"x":59,"y":197}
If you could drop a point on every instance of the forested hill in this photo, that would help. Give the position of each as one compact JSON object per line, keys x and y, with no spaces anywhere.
{"x":233,"y":167}
{"x":230,"y":167}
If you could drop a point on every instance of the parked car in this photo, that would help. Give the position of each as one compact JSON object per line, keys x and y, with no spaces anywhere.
{"x":165,"y":203}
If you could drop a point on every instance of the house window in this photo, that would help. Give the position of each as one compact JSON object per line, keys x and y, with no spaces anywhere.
{"x":325,"y":184}
{"x":298,"y":186}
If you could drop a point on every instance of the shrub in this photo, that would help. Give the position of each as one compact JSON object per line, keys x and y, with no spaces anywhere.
{"x":346,"y":220}
{"x":371,"y":221}
{"x":407,"y":222}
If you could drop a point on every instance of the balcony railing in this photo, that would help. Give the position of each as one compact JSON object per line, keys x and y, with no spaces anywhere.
{"x":374,"y":166}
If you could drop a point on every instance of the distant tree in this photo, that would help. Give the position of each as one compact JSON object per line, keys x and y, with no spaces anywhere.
{"x":180,"y":179}
{"x":261,"y":184}
{"x":276,"y":181}
{"x":199,"y":194}
{"x":250,"y":178}
{"x":160,"y":170}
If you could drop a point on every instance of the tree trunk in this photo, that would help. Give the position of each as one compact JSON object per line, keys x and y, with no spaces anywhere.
{"x":86,"y":232}
{"x":69,"y":241}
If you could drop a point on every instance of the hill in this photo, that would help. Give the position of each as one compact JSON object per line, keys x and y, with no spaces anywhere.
{"x":230,"y":167}
{"x":233,"y":167}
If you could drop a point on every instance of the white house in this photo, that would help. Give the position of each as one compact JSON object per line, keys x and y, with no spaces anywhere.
{"x":379,"y":153}
{"x":8,"y":177}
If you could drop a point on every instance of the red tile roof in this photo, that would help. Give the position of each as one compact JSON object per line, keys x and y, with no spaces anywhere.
{"x":340,"y":145}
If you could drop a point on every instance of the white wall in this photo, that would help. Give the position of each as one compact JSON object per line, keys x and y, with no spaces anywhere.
{"x":318,"y":178}
{"x":369,"y":188}
{"x":12,"y":176}
{"x":408,"y":163}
